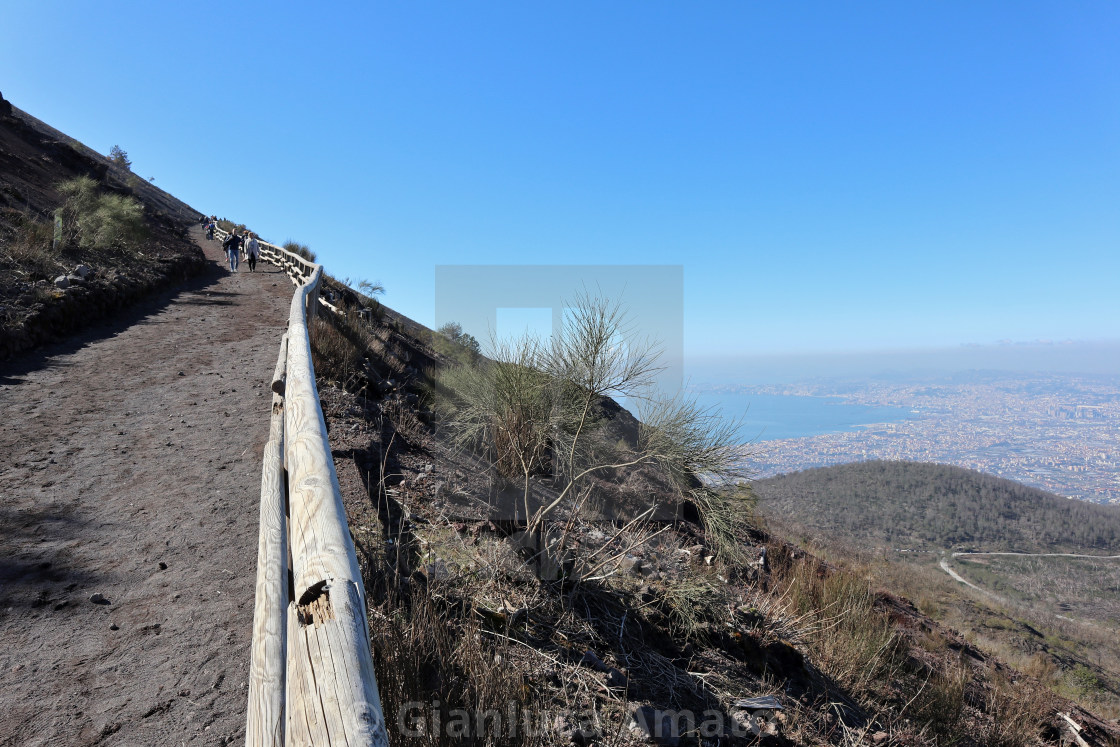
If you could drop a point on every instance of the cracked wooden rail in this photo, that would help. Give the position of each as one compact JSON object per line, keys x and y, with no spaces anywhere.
{"x":311,"y":678}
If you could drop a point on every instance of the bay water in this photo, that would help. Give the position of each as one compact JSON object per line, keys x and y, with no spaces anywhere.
{"x":770,"y":417}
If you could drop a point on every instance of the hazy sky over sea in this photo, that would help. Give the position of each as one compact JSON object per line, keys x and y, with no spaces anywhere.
{"x":1095,"y":359}
{"x":832,"y":177}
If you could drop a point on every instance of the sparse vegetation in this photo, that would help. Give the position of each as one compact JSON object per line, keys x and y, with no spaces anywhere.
{"x":641,"y":614}
{"x":451,"y":341}
{"x":851,"y":640}
{"x":535,"y":409}
{"x":119,"y":158}
{"x":302,"y":250}
{"x":128,"y":247}
{"x":29,"y":244}
{"x":1049,"y":616}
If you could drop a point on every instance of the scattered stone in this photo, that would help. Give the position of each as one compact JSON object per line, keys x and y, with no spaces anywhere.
{"x":656,"y":726}
{"x":62,"y":282}
{"x":591,"y":659}
{"x":436,"y":571}
{"x":98,"y":598}
{"x":879,"y":737}
{"x":83,"y":271}
{"x":763,"y":702}
{"x":630,"y":564}
{"x":616,"y":678}
{"x":75,"y":279}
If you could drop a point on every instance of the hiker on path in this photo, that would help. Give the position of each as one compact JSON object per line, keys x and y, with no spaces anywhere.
{"x":252,"y":251}
{"x":232,"y":245}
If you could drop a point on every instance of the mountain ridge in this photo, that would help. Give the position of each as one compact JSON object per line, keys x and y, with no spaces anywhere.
{"x":921,"y":505}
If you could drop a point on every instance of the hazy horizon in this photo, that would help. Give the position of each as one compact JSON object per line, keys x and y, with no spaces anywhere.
{"x":1071,"y":357}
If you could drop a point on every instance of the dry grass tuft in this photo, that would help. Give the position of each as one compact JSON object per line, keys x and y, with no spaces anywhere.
{"x":442,"y":681}
{"x":1015,"y":711}
{"x":28,"y":245}
{"x":850,"y":640}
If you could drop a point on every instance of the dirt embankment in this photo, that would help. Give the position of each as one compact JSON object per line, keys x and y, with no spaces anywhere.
{"x":34,"y":160}
{"x":131,"y":466}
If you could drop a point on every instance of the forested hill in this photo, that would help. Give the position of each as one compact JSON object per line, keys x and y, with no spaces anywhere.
{"x":934,"y":506}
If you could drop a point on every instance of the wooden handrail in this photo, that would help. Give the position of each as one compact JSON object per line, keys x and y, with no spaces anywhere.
{"x":267,"y":667}
{"x":311,"y":677}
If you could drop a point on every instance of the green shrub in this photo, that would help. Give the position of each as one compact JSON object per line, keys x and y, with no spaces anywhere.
{"x":302,"y":250}
{"x":119,"y":157}
{"x":93,"y":219}
{"x":536,"y":408}
{"x":452,"y":342}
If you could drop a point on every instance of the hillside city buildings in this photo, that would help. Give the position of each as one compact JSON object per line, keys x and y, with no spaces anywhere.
{"x":1061,"y":434}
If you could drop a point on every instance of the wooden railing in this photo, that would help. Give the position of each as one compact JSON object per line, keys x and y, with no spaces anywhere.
{"x":311,"y":678}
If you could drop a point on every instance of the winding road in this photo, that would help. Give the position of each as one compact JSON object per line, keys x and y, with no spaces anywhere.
{"x":958,"y":577}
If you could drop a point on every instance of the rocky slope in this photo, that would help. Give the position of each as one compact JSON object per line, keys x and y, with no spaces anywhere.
{"x":665,"y":632}
{"x":34,"y":160}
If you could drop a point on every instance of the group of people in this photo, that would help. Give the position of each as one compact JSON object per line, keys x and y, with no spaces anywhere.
{"x":242,"y":247}
{"x":236,"y":246}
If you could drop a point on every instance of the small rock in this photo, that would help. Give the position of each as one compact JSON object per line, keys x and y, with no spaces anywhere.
{"x":880,"y":736}
{"x":75,"y":279}
{"x":163,"y":566}
{"x":83,"y":271}
{"x":656,"y":726}
{"x":630,"y":564}
{"x":436,"y":571}
{"x":98,"y":598}
{"x":591,"y":659}
{"x":182,"y":374}
{"x":114,"y":626}
{"x":62,"y":282}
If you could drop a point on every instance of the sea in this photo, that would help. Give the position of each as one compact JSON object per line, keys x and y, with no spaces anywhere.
{"x":771,"y":417}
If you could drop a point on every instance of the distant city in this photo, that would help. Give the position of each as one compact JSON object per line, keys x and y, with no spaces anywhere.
{"x":1058,"y":432}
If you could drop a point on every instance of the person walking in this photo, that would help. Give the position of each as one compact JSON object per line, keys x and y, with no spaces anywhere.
{"x":232,"y":245}
{"x":252,"y":251}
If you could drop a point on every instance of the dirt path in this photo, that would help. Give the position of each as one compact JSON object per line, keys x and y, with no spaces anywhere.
{"x":130,"y":468}
{"x":958,"y":577}
{"x":1039,"y":555}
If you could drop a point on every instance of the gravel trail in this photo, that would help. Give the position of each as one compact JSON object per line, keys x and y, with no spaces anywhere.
{"x":130,"y":471}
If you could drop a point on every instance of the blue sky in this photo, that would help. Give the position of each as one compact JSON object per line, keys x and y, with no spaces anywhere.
{"x":831,"y":176}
